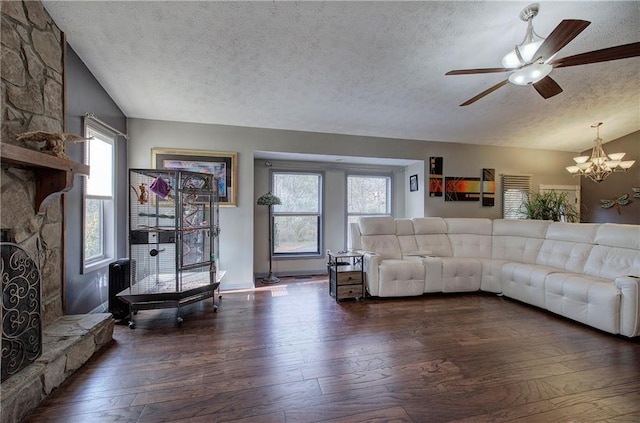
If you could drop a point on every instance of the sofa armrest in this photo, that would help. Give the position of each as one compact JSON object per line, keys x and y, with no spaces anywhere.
{"x":370,"y":263}
{"x":629,"y":287}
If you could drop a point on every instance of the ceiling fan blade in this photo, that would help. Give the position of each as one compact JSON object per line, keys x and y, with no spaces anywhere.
{"x":485,"y":92}
{"x":612,"y":53}
{"x":474,"y":71}
{"x":547,"y":87}
{"x":562,"y":35}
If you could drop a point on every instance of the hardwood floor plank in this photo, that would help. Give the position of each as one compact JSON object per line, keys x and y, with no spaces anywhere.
{"x":290,"y":353}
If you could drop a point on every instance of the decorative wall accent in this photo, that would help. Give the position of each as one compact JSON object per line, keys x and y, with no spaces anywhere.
{"x":623,"y":200}
{"x":488,"y":187}
{"x":435,"y":176}
{"x":461,"y":189}
{"x":21,"y":323}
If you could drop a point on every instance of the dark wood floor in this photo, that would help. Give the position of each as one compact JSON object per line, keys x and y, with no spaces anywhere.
{"x":289,"y":353}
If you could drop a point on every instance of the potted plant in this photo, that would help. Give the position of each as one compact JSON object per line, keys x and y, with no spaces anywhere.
{"x":550,"y":205}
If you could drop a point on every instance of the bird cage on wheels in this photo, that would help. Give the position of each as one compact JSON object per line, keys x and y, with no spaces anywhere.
{"x":173,"y":239}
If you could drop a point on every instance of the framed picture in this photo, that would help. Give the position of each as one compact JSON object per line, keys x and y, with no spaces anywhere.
{"x":224,"y":165}
{"x":413,"y":183}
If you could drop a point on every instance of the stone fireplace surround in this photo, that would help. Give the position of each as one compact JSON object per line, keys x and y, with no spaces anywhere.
{"x":32,"y":211}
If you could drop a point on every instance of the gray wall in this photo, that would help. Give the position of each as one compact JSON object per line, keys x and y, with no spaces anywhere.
{"x":244,"y":228}
{"x":85,"y":292}
{"x":334,"y":211}
{"x":547,"y":168}
{"x":614,"y":186}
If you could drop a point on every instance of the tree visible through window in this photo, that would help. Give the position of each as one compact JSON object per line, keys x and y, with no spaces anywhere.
{"x":367,"y":196}
{"x":297,"y":221}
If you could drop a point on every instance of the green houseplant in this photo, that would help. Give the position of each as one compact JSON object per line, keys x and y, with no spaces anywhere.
{"x":549,"y":205}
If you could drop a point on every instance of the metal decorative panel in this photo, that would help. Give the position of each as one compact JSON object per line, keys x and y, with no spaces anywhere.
{"x":21,"y":322}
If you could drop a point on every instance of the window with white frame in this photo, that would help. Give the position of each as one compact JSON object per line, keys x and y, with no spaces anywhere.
{"x":515,"y":190}
{"x":297,"y":222}
{"x":99,"y":207}
{"x":367,"y":195}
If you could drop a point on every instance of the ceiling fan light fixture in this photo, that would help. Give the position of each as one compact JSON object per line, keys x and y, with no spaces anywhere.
{"x":511,"y":60}
{"x":530,"y":74}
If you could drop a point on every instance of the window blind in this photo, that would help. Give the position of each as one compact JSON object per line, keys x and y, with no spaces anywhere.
{"x":515,"y":189}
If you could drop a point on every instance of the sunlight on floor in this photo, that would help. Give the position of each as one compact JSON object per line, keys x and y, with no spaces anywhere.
{"x":277,"y":290}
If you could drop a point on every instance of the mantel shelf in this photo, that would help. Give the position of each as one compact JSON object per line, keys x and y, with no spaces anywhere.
{"x":54,"y":175}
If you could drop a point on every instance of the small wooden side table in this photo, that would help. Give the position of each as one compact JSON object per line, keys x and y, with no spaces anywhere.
{"x":346,"y":275}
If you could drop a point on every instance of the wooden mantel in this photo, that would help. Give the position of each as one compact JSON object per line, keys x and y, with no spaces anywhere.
{"x":54,"y":175}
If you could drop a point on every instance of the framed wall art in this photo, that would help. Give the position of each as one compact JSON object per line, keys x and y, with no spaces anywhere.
{"x":435,"y":176}
{"x":224,"y":165}
{"x":413,"y":183}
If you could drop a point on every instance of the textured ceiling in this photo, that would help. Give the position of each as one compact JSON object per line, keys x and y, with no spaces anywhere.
{"x":362,"y":68}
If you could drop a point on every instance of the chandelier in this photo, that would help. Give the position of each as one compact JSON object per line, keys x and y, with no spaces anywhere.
{"x":599,"y":165}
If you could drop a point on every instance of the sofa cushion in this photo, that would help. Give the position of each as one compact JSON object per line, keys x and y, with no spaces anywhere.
{"x":564,"y":255}
{"x":617,"y":235}
{"x":611,"y":262}
{"x":437,"y":244}
{"x":429,"y":225}
{"x":377,"y":225}
{"x":400,"y":278}
{"x":515,"y":248}
{"x":470,"y":237}
{"x":404,"y":231}
{"x":387,"y":246}
{"x":574,"y":232}
{"x":592,"y":301}
{"x":460,"y":274}
{"x":521,"y":227}
{"x":378,"y":234}
{"x":517,"y":239}
{"x":525,"y":282}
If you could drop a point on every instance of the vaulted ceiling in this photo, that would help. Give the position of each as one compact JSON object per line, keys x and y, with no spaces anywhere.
{"x":362,"y":68}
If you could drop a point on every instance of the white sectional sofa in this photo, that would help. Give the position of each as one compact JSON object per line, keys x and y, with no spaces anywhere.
{"x":586,"y":272}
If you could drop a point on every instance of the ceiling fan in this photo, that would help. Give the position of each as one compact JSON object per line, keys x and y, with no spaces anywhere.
{"x":532,"y":60}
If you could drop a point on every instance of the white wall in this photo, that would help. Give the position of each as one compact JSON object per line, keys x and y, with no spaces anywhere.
{"x":242,"y":248}
{"x":414,"y":201}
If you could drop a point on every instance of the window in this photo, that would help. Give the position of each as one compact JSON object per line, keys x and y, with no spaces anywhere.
{"x":367,"y":196}
{"x":297,"y":222}
{"x":99,"y":209}
{"x":515,"y":189}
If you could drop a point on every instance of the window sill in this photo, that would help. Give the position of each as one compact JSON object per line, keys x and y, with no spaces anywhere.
{"x":310,"y":256}
{"x":96,"y":265}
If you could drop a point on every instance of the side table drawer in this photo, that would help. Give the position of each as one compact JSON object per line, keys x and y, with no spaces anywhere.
{"x":349,"y":291}
{"x":349,"y":278}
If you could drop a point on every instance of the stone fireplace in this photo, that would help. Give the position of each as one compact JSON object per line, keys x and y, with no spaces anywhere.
{"x":32,"y":209}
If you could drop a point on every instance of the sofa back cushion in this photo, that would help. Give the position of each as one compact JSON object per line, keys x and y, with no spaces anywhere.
{"x":616,"y":253}
{"x":517,"y":239}
{"x":470,"y":237}
{"x":618,"y":235}
{"x":378,"y":234}
{"x":567,"y":246}
{"x":431,"y":235}
{"x":404,"y":231}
